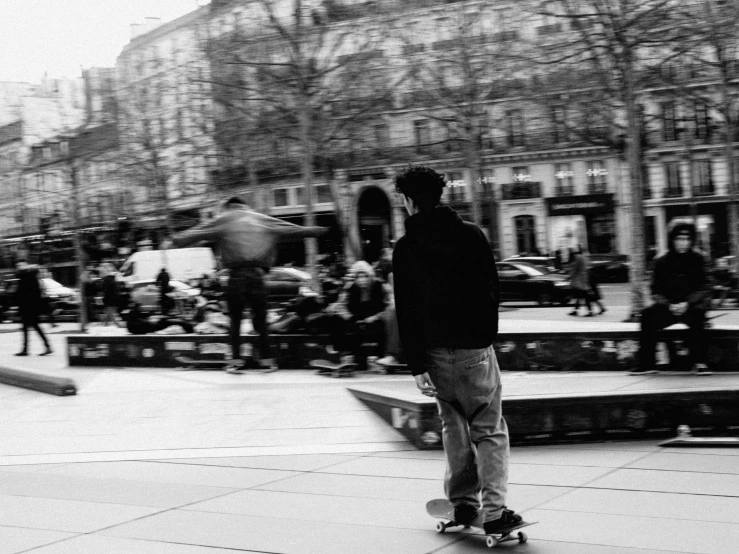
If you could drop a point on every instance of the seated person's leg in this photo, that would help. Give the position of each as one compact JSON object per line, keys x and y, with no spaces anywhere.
{"x":695,"y":319}
{"x":653,"y":319}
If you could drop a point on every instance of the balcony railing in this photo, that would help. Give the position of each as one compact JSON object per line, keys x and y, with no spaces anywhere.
{"x":521,"y":191}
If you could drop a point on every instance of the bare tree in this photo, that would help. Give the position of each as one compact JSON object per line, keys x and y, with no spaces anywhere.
{"x":299,"y":81}
{"x":470,"y":66}
{"x":618,"y":43}
{"x":705,"y":80}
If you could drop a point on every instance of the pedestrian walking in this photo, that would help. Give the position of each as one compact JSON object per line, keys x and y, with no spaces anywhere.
{"x":30,"y":304}
{"x":580,"y":282}
{"x":595,"y":296}
{"x":109,"y":288}
{"x":446,"y":299}
{"x":681,"y":293}
{"x":248,"y":243}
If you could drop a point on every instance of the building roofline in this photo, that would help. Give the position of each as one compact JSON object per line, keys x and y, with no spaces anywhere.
{"x":165,"y":28}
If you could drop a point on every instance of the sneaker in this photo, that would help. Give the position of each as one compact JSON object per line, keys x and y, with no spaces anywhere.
{"x":22,"y":353}
{"x":701,"y":369}
{"x":573,"y":313}
{"x":46,"y":352}
{"x":235,"y":367}
{"x":464,"y":514}
{"x":388,"y":360}
{"x":642,"y":371}
{"x":506,"y":520}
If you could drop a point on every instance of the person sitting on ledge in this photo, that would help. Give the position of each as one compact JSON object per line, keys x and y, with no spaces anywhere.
{"x":362,"y":319}
{"x":681,"y":294}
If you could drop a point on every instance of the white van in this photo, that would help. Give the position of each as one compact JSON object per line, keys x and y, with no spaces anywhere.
{"x":182,"y":264}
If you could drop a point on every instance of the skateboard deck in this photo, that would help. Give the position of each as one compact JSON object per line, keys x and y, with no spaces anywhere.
{"x":336,"y":370}
{"x":442,"y":509}
{"x":193,"y":363}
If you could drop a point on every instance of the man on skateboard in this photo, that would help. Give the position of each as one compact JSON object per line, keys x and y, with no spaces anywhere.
{"x":446,"y":297}
{"x":247,"y":241}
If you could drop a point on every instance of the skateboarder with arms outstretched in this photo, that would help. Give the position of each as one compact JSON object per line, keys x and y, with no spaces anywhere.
{"x":248,"y":242}
{"x":446,"y":297}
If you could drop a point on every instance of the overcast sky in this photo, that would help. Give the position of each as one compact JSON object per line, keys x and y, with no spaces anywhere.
{"x":61,"y":36}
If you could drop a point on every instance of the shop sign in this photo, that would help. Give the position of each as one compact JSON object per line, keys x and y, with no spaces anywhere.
{"x":576,"y":205}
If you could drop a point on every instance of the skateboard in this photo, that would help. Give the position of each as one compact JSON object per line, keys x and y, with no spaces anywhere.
{"x":441,"y":508}
{"x":192,"y":363}
{"x":336,"y":370}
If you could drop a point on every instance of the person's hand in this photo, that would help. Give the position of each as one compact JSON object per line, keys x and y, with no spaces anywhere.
{"x":424,"y":384}
{"x":679,"y":309}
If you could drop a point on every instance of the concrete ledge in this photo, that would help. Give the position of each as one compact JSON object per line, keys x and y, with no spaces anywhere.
{"x":162,"y":350}
{"x":59,"y":386}
{"x":568,"y":417}
{"x":592,"y":350}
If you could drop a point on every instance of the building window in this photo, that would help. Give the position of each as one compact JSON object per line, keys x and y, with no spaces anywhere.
{"x":323,"y":194}
{"x":382,"y":135}
{"x":422,"y":133}
{"x":702,"y":178}
{"x":279,"y":197}
{"x":597,"y":177}
{"x":525,"y":226}
{"x":669,"y":121}
{"x":702,"y":121}
{"x":645,"y":187}
{"x":515,"y":128}
{"x":559,"y":125}
{"x":673,"y":180}
{"x":563,"y":177}
{"x":299,"y":196}
{"x":487,"y":182}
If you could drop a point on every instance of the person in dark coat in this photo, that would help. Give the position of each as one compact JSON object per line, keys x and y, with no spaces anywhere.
{"x":580,"y":281}
{"x":30,"y":305}
{"x":446,"y":298}
{"x":109,"y":288}
{"x":681,"y":293}
{"x":165,"y":302}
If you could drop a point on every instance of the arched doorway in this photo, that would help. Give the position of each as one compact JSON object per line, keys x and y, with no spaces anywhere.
{"x":375,"y":228}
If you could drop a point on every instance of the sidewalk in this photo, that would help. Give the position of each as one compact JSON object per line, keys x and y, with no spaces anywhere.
{"x":163,"y":461}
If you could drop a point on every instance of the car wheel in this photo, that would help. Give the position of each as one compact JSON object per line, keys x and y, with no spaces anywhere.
{"x":545,"y":298}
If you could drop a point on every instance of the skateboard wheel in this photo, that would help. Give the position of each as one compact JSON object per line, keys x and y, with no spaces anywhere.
{"x":440,"y":527}
{"x":492,"y":542}
{"x":522,"y":537}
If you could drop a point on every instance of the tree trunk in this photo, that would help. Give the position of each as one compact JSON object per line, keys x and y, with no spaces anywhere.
{"x":634,"y":157}
{"x":84,"y":316}
{"x":729,"y":130}
{"x":306,"y":170}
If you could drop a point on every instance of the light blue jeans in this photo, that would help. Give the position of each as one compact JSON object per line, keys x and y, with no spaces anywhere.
{"x":475,"y":434}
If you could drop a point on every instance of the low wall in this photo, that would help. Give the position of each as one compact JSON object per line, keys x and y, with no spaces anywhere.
{"x":555,"y":351}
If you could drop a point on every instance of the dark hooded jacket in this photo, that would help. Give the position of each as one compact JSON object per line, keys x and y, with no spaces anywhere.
{"x":446,"y":285}
{"x":680,"y":277}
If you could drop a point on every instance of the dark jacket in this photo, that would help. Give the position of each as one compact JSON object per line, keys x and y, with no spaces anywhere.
{"x":109,"y":288}
{"x":363,"y":310}
{"x":446,"y":285}
{"x":246,"y":238}
{"x":29,"y":295}
{"x":680,"y":277}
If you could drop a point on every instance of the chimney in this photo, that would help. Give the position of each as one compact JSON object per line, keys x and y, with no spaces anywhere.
{"x":151,"y":23}
{"x":136,"y":30}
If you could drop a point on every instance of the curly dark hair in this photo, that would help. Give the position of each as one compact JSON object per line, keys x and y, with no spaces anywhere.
{"x":421,"y":184}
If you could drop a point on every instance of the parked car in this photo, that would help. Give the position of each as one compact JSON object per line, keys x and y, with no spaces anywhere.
{"x":146,"y":295}
{"x":544,"y":263}
{"x":283,"y":283}
{"x":610,"y":268}
{"x":60,"y":297}
{"x":524,"y":282}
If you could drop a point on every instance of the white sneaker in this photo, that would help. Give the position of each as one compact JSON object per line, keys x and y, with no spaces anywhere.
{"x":388,"y":360}
{"x":269,"y":365}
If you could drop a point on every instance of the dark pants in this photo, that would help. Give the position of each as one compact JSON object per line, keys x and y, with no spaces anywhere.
{"x":246,"y":288}
{"x":32,"y":323}
{"x":348,"y":336}
{"x":657,"y":317}
{"x":584,"y":296}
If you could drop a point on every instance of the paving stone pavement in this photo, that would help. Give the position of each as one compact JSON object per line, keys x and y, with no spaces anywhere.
{"x":169,"y":462}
